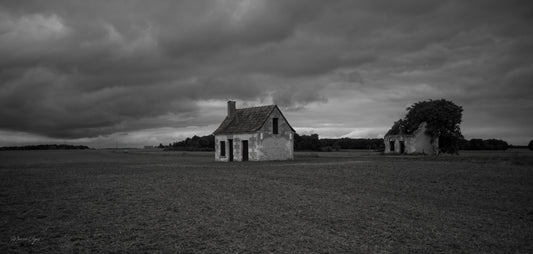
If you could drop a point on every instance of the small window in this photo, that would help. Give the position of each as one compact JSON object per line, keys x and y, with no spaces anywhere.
{"x":222,"y":148}
{"x":274,"y":126}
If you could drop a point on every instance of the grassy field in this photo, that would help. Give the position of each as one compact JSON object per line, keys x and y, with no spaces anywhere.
{"x":352,"y":201}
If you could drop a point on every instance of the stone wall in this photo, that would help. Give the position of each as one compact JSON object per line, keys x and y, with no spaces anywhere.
{"x":263,"y":144}
{"x":418,"y":142}
{"x":237,"y":146}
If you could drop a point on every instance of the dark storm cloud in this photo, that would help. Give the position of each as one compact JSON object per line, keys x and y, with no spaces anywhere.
{"x":86,"y":68}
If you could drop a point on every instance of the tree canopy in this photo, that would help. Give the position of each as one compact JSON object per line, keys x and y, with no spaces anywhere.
{"x":530,"y":145}
{"x":443,"y":120}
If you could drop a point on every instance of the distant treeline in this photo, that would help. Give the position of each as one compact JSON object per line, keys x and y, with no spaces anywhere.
{"x":45,"y":147}
{"x":314,"y":143}
{"x":301,"y":142}
{"x":483,"y":144}
{"x":511,"y":146}
{"x":196,"y":143}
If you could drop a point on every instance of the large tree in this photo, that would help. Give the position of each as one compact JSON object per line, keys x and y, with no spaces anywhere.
{"x":443,"y":120}
{"x":530,"y":145}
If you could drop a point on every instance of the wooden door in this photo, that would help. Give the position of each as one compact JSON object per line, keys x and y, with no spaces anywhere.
{"x":230,"y":149}
{"x":245,"y":150}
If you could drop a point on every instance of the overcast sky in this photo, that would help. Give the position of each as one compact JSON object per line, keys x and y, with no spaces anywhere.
{"x":136,"y":73}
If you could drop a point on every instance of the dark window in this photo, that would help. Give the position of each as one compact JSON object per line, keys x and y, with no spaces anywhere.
{"x":274,"y":126}
{"x":222,"y":148}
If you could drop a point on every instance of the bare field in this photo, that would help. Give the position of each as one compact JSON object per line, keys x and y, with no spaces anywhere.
{"x":351,"y":201}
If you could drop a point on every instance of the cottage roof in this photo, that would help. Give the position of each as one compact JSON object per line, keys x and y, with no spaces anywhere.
{"x":421,"y":127}
{"x":246,"y":120}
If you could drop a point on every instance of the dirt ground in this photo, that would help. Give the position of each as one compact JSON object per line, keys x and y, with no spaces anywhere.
{"x":349,"y":201}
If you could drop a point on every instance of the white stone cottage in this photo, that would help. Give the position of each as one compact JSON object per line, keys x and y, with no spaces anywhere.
{"x":417,"y":142}
{"x":254,"y":134}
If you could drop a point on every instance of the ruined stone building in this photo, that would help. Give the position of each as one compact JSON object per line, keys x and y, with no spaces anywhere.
{"x":254,"y":134}
{"x":417,"y":142}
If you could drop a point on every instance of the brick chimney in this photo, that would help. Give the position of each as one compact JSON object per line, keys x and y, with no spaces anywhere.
{"x":231,"y":108}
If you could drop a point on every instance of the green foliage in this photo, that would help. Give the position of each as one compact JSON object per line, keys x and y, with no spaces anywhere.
{"x":530,"y":145}
{"x":443,"y":120}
